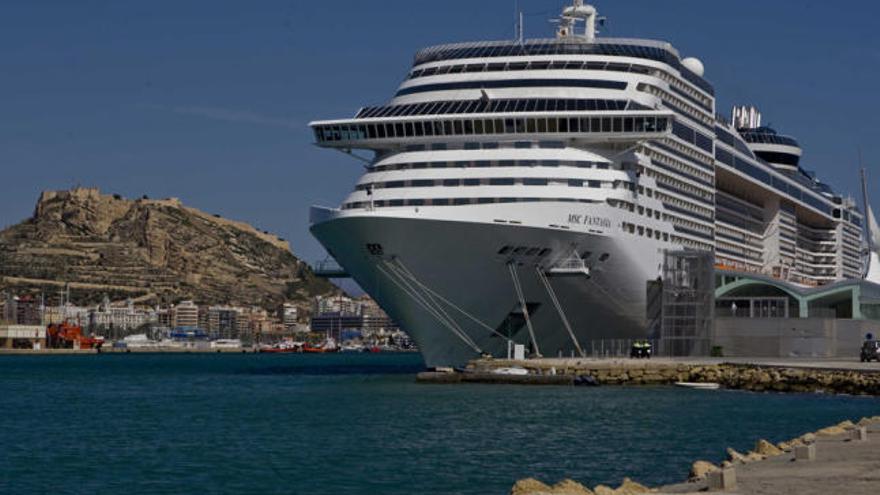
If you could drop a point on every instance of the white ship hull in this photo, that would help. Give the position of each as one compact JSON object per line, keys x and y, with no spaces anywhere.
{"x":456,"y":273}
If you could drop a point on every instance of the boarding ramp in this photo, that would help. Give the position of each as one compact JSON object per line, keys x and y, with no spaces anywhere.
{"x":329,"y":268}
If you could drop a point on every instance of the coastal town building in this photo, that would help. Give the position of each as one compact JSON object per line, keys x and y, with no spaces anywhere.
{"x":22,"y":336}
{"x":289,"y":315}
{"x":336,"y":316}
{"x":185,"y":314}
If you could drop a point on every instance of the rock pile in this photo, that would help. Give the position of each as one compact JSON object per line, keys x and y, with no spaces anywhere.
{"x":531,"y":486}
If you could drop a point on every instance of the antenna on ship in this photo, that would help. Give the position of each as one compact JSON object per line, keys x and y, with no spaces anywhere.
{"x":867,"y":207}
{"x":519,"y":27}
{"x":578,"y":11}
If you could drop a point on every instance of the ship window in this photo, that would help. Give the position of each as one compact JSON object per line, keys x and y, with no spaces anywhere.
{"x":522,"y":145}
{"x":549,"y":163}
{"x":471,"y":182}
{"x":595,"y":184}
{"x":461,"y":201}
{"x":563,"y":125}
{"x":409,"y":129}
{"x":505,"y":250}
{"x":606,"y":124}
{"x":395,"y":202}
{"x":552,"y":125}
{"x":534,"y":182}
{"x":628,"y":124}
{"x":541,"y":105}
{"x":618,"y":124}
{"x":573,"y":125}
{"x":517,"y":65}
{"x":451,"y":182}
{"x":501,"y":182}
{"x":531,"y":126}
{"x":542,"y":125}
{"x":423,"y":183}
{"x":575,"y":183}
{"x":478,"y":127}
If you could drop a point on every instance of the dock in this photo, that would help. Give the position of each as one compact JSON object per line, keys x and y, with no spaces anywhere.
{"x":781,"y":375}
{"x":840,"y":458}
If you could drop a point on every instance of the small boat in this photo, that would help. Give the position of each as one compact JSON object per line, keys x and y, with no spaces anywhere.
{"x":327,"y":346}
{"x":698,"y":386}
{"x":283,"y":347}
{"x":511,"y":371}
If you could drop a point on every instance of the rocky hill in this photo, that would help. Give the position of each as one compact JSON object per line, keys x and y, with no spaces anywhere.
{"x":149,"y":250}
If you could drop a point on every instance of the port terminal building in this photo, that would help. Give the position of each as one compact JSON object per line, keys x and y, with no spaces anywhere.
{"x":760,"y":316}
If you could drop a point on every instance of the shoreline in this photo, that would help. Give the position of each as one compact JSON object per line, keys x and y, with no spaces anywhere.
{"x":841,"y":458}
{"x":796,"y":375}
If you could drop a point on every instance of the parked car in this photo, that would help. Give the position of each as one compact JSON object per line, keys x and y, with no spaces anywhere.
{"x":871,"y":351}
{"x":641,"y":349}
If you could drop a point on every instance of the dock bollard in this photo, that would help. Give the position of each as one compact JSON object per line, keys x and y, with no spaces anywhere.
{"x":805,"y":452}
{"x":723,"y":479}
{"x":858,"y":434}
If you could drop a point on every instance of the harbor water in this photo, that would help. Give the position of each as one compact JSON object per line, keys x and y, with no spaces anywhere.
{"x":356,"y":423}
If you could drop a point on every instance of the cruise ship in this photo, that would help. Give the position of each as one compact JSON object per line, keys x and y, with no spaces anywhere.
{"x":525,"y":191}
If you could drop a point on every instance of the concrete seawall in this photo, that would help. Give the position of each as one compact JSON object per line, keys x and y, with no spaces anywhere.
{"x":780,"y":376}
{"x":837,"y":459}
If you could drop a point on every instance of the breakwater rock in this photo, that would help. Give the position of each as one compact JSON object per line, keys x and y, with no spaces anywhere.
{"x":767,"y":477}
{"x":752,"y":377}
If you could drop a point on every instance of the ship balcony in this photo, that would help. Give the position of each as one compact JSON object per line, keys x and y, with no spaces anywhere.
{"x":603,"y":126}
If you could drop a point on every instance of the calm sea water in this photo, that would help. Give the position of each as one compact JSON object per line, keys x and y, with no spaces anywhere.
{"x":352,"y":424}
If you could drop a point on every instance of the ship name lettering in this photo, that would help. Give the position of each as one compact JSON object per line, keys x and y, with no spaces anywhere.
{"x":592,"y":221}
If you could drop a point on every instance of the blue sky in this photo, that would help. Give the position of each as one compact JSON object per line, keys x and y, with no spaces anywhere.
{"x":208,"y":101}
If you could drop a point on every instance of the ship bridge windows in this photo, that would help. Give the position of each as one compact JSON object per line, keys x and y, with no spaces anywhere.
{"x":507,"y":105}
{"x":467,"y":127}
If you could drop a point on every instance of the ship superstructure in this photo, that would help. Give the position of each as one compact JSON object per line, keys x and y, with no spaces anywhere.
{"x":525,"y":191}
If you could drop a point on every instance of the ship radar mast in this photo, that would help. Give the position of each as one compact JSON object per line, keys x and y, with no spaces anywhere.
{"x":575,"y":13}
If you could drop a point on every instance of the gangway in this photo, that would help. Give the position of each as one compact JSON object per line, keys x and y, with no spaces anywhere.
{"x":329,"y":268}
{"x":573,"y":265}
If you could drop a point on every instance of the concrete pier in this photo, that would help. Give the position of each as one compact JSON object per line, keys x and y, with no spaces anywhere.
{"x":795,"y":375}
{"x":820,"y":463}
